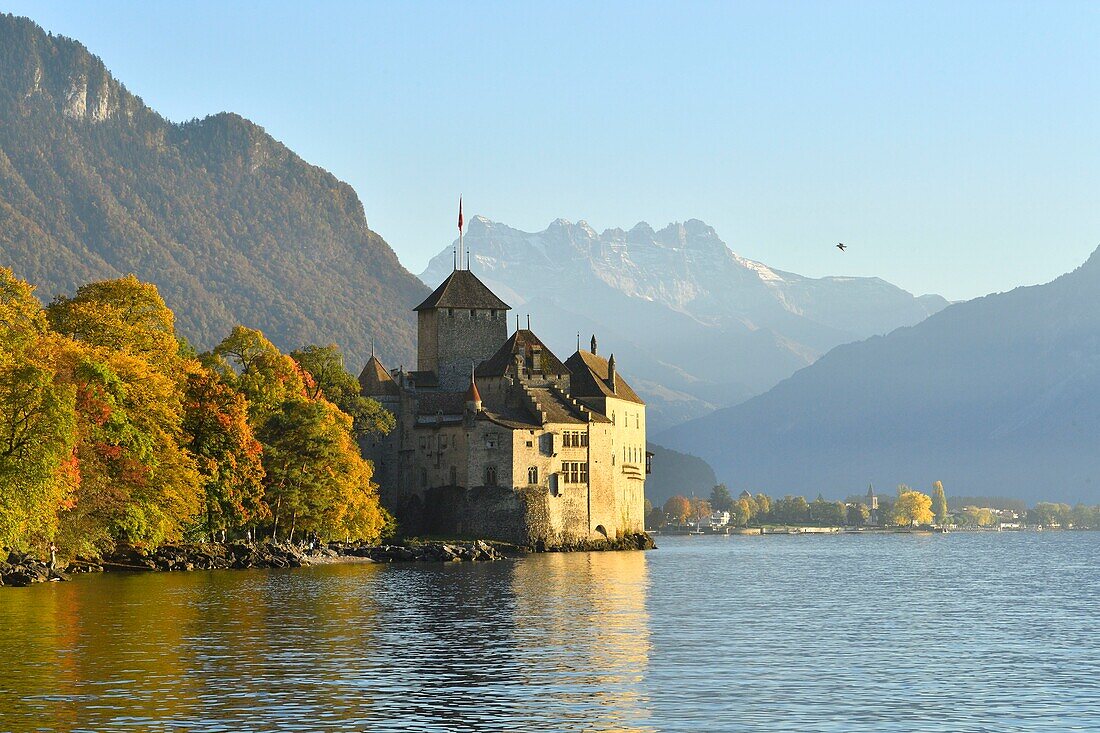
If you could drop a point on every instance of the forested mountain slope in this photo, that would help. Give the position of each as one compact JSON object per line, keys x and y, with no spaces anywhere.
{"x":230,"y":225}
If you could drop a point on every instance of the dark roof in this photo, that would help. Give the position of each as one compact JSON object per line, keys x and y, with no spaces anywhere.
{"x":523,"y":342}
{"x":509,"y":410}
{"x":433,"y":403}
{"x":588,"y":378}
{"x":462,"y":289}
{"x":424,"y":379}
{"x":375,"y":381}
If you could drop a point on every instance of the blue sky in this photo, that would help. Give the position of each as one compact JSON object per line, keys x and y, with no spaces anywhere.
{"x":953,"y":146}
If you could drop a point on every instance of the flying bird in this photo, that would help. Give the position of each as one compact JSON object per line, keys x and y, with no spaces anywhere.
{"x":841,"y":246}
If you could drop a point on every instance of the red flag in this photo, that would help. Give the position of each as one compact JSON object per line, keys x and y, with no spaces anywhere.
{"x":460,"y":213}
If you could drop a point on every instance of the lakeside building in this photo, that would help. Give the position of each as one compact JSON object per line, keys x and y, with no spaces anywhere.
{"x":497,"y":437}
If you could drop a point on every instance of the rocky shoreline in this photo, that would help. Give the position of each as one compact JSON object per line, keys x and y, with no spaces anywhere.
{"x":22,"y":569}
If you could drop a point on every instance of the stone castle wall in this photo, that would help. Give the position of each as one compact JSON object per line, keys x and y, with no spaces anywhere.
{"x":462,"y":338}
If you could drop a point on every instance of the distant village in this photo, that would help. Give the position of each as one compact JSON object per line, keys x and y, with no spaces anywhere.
{"x":905,"y":511}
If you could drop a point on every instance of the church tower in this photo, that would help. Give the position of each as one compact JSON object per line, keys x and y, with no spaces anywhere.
{"x":461,"y":324}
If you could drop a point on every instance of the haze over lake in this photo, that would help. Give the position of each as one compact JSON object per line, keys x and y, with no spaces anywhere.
{"x":963,"y":632}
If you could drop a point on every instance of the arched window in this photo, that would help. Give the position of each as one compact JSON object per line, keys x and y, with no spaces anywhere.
{"x":490,"y":475}
{"x":533,"y":475}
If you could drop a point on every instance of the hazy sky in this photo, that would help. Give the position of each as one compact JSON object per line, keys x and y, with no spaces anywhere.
{"x":953,"y":146}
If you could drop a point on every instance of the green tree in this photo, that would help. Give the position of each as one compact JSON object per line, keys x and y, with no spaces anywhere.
{"x":250,"y":363}
{"x":742,"y":513}
{"x":939,"y":503}
{"x":763,"y":506}
{"x":721,"y":499}
{"x":316,"y":480}
{"x":791,"y":510}
{"x":827,"y":512}
{"x":857,"y":515}
{"x":329,"y":379}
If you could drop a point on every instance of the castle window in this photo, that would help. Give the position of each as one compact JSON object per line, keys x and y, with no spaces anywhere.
{"x":530,"y":444}
{"x":612,"y":417}
{"x":490,"y":475}
{"x":450,"y":311}
{"x":583,"y":439}
{"x":454,"y":476}
{"x":492,"y":440}
{"x":574,"y":472}
{"x":423,"y":478}
{"x":533,"y":475}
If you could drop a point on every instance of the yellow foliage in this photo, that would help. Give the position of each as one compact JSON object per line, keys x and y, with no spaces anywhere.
{"x":912,"y":508}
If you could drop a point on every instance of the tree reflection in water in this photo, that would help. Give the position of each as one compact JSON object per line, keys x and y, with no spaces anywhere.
{"x":545,"y":642}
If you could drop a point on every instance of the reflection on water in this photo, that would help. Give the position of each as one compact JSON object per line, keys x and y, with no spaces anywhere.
{"x":550,"y":642}
{"x":956,"y":633}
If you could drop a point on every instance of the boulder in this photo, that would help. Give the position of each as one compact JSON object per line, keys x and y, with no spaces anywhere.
{"x":19,"y":578}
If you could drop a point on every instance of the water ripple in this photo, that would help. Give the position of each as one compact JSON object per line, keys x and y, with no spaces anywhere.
{"x":954,"y":633}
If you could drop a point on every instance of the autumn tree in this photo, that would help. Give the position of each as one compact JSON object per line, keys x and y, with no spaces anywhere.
{"x":678,"y":509}
{"x":119,"y":315}
{"x":137,"y":482}
{"x":37,"y":471}
{"x":700,"y":509}
{"x":248,"y":362}
{"x":316,"y":479}
{"x":331,"y":380}
{"x":912,"y":508}
{"x":229,"y":458}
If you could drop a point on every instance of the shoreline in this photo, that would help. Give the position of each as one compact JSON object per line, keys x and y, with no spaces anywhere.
{"x":23,"y":569}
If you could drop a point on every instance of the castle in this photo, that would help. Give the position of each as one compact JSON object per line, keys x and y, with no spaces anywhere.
{"x":496,"y":437}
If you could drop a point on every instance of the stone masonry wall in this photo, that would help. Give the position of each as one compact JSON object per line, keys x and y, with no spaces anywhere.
{"x":464,"y":339}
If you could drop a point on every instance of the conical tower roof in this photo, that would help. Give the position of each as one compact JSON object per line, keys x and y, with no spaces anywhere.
{"x":375,"y":381}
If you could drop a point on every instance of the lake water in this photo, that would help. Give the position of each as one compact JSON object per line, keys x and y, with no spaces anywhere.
{"x":959,"y":632}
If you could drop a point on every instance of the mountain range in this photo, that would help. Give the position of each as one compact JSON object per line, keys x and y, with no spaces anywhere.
{"x":694,"y":325}
{"x":995,"y":396}
{"x":231,"y":225}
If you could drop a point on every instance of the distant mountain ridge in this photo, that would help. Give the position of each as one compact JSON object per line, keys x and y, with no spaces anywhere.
{"x":995,"y":396}
{"x":694,"y":324}
{"x":231,"y":225}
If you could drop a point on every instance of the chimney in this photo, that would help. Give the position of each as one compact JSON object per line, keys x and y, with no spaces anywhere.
{"x":611,"y":374}
{"x":593,"y":345}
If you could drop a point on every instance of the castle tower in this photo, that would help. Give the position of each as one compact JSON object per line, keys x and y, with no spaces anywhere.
{"x":459,"y":324}
{"x":376,"y":382}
